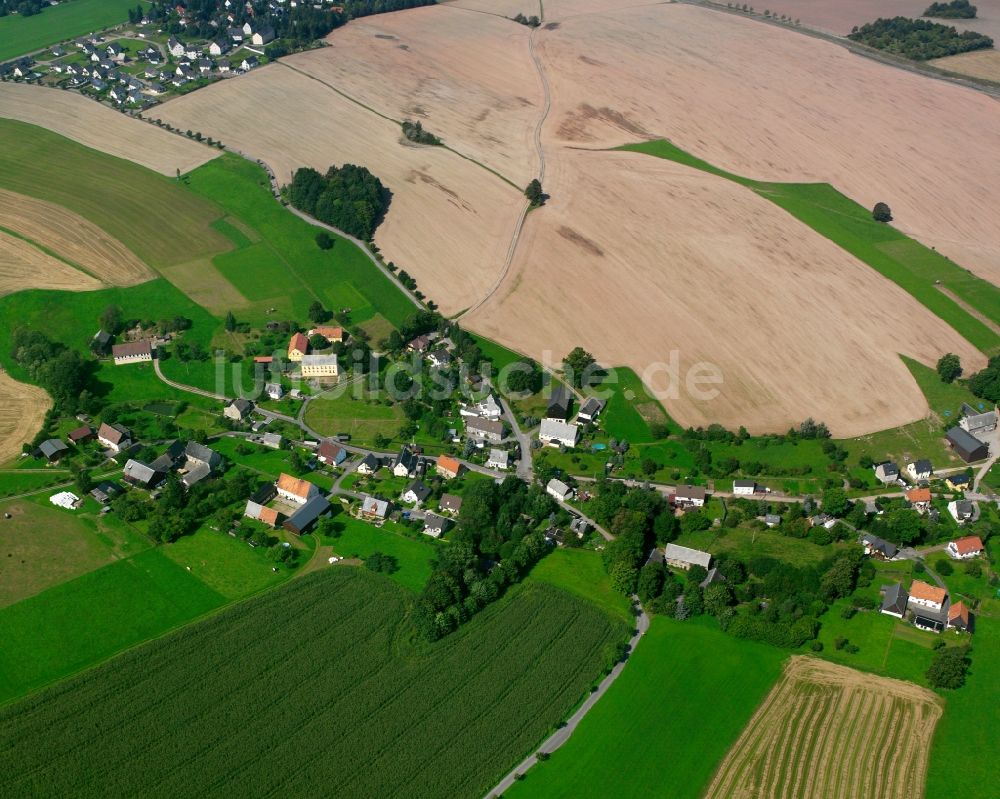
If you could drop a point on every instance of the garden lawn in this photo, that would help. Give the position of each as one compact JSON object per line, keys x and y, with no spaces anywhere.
{"x":20,"y":35}
{"x":915,"y":268}
{"x":581,"y":572}
{"x":747,"y":544}
{"x":76,"y":624}
{"x":630,"y":409}
{"x":667,"y":722}
{"x":360,"y":419}
{"x":945,"y":399}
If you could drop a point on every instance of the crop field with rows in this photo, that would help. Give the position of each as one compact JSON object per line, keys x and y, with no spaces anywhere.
{"x":313,"y":689}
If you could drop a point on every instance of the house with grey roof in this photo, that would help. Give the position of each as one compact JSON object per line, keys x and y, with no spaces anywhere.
{"x":894,"y":600}
{"x":415,"y":493}
{"x":685,"y":557}
{"x":307,"y":514}
{"x":53,"y":449}
{"x":374,"y":509}
{"x":141,"y":474}
{"x":878,"y":547}
{"x":480,"y":430}
{"x":435,"y":525}
{"x":559,"y":490}
{"x":556,"y":432}
{"x":978,"y":423}
{"x":590,"y":409}
{"x":887,"y":472}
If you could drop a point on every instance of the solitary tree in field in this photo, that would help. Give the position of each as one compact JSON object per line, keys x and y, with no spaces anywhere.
{"x":949,"y":367}
{"x":323,"y":240}
{"x":230,"y":322}
{"x":534,"y":192}
{"x":881,"y":213}
{"x":576,"y":363}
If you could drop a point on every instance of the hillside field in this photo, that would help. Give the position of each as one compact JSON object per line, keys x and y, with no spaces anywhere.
{"x":683,"y":698}
{"x":20,"y":35}
{"x":320,"y":663}
{"x":827,"y":730}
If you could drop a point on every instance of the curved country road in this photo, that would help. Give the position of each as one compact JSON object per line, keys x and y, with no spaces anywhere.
{"x":560,"y":736}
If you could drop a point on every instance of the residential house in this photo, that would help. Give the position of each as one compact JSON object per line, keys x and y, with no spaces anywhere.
{"x":332,"y":334}
{"x":306,"y":516}
{"x":484,"y":430}
{"x":435,"y":525}
{"x":375,"y":509}
{"x":204,"y":65}
{"x":926,"y":596}
{"x":133,"y":352}
{"x":175,"y":47}
{"x":249,"y":63}
{"x":486,"y":408}
{"x":274,"y":391}
{"x":498,"y":459}
{"x":580,"y":526}
{"x":405,"y":464}
{"x":689,"y":496}
{"x":919,"y":498}
{"x":878,"y":548}
{"x":319,"y":365}
{"x":272,"y":440}
{"x":257,"y":505}
{"x":172,"y":456}
{"x":419,"y":344}
{"x":238,"y":410}
{"x":100,"y":343}
{"x":223,"y":65}
{"x":52,"y":449}
{"x":969,"y":546}
{"x":331,"y":453}
{"x":118,"y":94}
{"x":141,"y":474}
{"x":894,"y":600}
{"x":958,"y":482}
{"x":294,"y":490}
{"x":920,"y":470}
{"x":199,"y":463}
{"x":247,"y":29}
{"x":556,"y":432}
{"x":962,"y":510}
{"x":415,"y":493}
{"x":236,"y":34}
{"x":115,"y":52}
{"x":450,"y":503}
{"x":966,"y":446}
{"x":104,"y":491}
{"x":590,"y":409}
{"x":218,"y":48}
{"x":23,"y":70}
{"x":113,"y":436}
{"x":684,"y":557}
{"x":369,"y":465}
{"x":559,"y":490}
{"x":978,"y":424}
{"x":559,"y":403}
{"x":99,"y":85}
{"x":744,"y":487}
{"x":448,"y":467}
{"x":440,"y":358}
{"x":959,"y":616}
{"x":298,"y":347}
{"x":192,"y":52}
{"x":772,"y":519}
{"x":57,"y":51}
{"x":80,"y":435}
{"x":263,"y":36}
{"x":823,"y":520}
{"x":887,"y":472}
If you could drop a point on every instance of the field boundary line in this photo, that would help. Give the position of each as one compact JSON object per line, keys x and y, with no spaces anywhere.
{"x":54,"y":254}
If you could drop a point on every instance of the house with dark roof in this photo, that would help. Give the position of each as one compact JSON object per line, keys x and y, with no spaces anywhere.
{"x":894,"y":600}
{"x":238,"y":410}
{"x":81,"y":435}
{"x":52,"y":449}
{"x":405,"y":464}
{"x":878,"y":547}
{"x":369,"y":464}
{"x":133,"y":352}
{"x":887,"y":472}
{"x":141,"y":474}
{"x":415,"y":493}
{"x":590,"y":409}
{"x":966,"y":446}
{"x":962,"y":510}
{"x":113,"y":436}
{"x":690,"y":496}
{"x":978,"y":423}
{"x":450,"y":503}
{"x":101,"y":342}
{"x":559,"y":403}
{"x":435,"y":525}
{"x":920,"y":470}
{"x":306,"y":515}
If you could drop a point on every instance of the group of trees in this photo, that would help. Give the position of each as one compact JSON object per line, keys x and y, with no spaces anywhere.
{"x":66,"y":375}
{"x":349,"y":197}
{"x":414,"y":131}
{"x":918,"y":39}
{"x":26,"y":8}
{"x":495,"y":543}
{"x":949,"y":667}
{"x":986,"y":383}
{"x":532,"y":21}
{"x":535,"y":194}
{"x":956,"y":9}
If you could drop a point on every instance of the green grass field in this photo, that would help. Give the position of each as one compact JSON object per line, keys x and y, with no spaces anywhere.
{"x":581,"y":572}
{"x":906,"y":262}
{"x":20,"y":35}
{"x":945,"y":399}
{"x":234,"y":704}
{"x":631,"y":409}
{"x":667,"y":723}
{"x":359,"y":418}
{"x":746,"y":544}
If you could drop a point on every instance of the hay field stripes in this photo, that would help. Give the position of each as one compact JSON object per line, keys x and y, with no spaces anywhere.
{"x":829,"y":731}
{"x":26,"y":266}
{"x":22,"y":411}
{"x":72,"y":238}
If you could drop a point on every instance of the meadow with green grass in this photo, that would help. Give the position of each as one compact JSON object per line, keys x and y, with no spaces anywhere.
{"x":20,"y":35}
{"x":667,"y":722}
{"x":914,"y":267}
{"x":326,"y":661}
{"x":581,"y":572}
{"x":362,"y":419}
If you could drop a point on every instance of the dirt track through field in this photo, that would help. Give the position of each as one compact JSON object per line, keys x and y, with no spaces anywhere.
{"x":802,"y":740}
{"x":22,"y":411}
{"x":73,"y":238}
{"x":24,"y":266}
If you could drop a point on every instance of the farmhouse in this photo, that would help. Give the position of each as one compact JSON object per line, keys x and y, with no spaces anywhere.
{"x":919,"y":498}
{"x":559,"y":490}
{"x":419,"y":344}
{"x":434,"y":525}
{"x":448,"y":467}
{"x":556,"y":432}
{"x":238,"y":410}
{"x":306,"y":516}
{"x":976,"y":423}
{"x":376,"y":509}
{"x":80,"y":435}
{"x":689,"y":496}
{"x":415,"y":493}
{"x":744,"y":487}
{"x":113,"y":436}
{"x":484,"y":430}
{"x":894,"y":600}
{"x":962,"y":510}
{"x":486,"y":408}
{"x":970,"y":546}
{"x":450,"y":503}
{"x":887,"y":472}
{"x":958,"y":616}
{"x":199,"y":463}
{"x":133,"y":352}
{"x":498,"y":459}
{"x":141,"y":474}
{"x":170,"y":458}
{"x":590,"y":409}
{"x":924,"y":596}
{"x":684,"y":557}
{"x":878,"y":548}
{"x":274,"y":391}
{"x":53,"y":449}
{"x":104,"y":491}
{"x":920,"y":470}
{"x":439,"y":358}
{"x":257,"y":505}
{"x":294,"y":490}
{"x":272,"y":440}
{"x":263,"y":36}
{"x":298,"y":346}
{"x":559,"y":403}
{"x":331,"y":453}
{"x":406,"y":463}
{"x":332,"y":334}
{"x":319,"y":365}
{"x":966,"y":446}
{"x":369,"y":464}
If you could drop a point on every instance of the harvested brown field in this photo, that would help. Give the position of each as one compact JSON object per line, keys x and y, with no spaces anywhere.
{"x":797,"y":326}
{"x":97,"y":126}
{"x":769,"y":103}
{"x":24,"y":266}
{"x":979,"y":64}
{"x":466,"y":77}
{"x":829,"y":731}
{"x":22,"y":411}
{"x":450,"y":221}
{"x":72,"y":238}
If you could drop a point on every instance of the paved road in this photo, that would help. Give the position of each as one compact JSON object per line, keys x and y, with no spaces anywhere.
{"x":560,"y":736}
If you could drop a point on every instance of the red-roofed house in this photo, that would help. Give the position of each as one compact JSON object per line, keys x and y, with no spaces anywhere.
{"x":331,"y":453}
{"x":927,"y":596}
{"x":295,"y":490}
{"x":448,"y":467}
{"x":919,"y":498}
{"x":958,"y":616}
{"x":969,"y":546}
{"x":298,"y":347}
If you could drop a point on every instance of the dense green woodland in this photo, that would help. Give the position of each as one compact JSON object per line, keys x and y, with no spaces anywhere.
{"x":918,"y":39}
{"x":956,"y":9}
{"x":349,"y":197}
{"x":26,"y":8}
{"x":314,"y":689}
